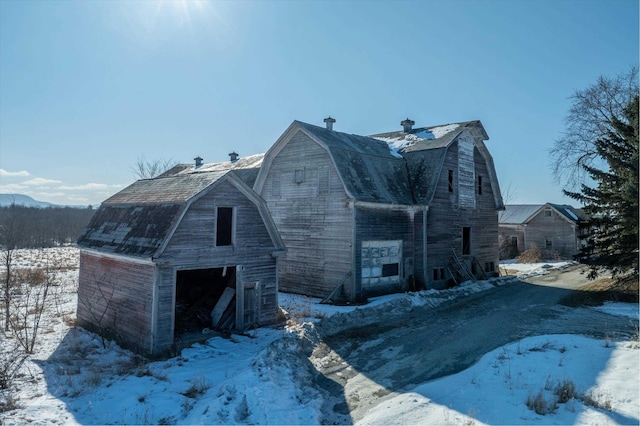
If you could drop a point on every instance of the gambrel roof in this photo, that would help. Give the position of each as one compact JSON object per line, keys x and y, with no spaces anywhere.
{"x":519,"y":214}
{"x":139,"y":220}
{"x":425,"y":149}
{"x":367,"y":169}
{"x":380,"y":168}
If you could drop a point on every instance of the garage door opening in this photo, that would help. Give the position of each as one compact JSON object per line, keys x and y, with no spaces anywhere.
{"x":198,"y":293}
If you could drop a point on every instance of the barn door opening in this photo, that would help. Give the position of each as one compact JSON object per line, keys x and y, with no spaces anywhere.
{"x":200,"y":292}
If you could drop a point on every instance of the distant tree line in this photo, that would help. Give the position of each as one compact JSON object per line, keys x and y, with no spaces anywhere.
{"x":33,"y":227}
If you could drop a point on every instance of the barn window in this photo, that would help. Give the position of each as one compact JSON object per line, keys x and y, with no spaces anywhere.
{"x":547,"y":212}
{"x":323,"y":180}
{"x":438,"y":274}
{"x":479,"y":185}
{"x":548,"y":244}
{"x":298,"y":176}
{"x":466,"y":240}
{"x":489,"y":266}
{"x":224,"y":226}
{"x":450,"y":180}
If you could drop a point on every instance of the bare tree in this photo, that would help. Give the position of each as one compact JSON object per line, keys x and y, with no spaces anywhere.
{"x":9,"y":234}
{"x":27,"y":306}
{"x":590,"y":118}
{"x":509,"y":193}
{"x":148,"y":169}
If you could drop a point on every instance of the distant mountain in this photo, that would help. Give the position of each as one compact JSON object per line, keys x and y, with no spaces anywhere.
{"x":25,"y":200}
{"x":22,"y":200}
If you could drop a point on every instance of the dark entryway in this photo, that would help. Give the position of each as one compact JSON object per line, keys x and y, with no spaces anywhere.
{"x":197,"y":293}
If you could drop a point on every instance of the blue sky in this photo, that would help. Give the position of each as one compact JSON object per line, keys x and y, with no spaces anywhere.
{"x":87,"y":87}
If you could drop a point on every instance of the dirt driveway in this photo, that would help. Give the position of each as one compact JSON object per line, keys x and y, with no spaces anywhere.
{"x":361,"y":366}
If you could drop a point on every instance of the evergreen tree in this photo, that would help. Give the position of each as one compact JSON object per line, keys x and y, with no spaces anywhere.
{"x":612,"y":205}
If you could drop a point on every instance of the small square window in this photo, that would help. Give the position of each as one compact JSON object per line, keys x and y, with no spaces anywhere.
{"x":547,"y":212}
{"x":390,"y":269}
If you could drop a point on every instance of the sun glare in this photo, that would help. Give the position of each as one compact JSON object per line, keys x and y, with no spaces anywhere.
{"x":160,"y":19}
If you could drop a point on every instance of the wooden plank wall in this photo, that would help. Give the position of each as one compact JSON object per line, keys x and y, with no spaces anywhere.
{"x":193,"y":247}
{"x":115,"y":297}
{"x":555,"y":228}
{"x":446,"y":218}
{"x":313,"y":218}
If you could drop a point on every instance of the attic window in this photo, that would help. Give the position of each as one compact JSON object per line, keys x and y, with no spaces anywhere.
{"x":547,"y":212}
{"x":224,"y":226}
{"x":298,"y":176}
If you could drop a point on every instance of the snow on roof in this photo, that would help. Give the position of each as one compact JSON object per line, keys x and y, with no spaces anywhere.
{"x":396,"y":144}
{"x":436,"y":132}
{"x":398,"y":141}
{"x":249,"y":162}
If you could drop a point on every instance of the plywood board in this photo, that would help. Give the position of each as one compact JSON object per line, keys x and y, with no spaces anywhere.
{"x":221,"y":306}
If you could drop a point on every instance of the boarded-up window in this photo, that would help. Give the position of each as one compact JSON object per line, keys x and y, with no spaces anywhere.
{"x":381,"y":262}
{"x":466,"y":172}
{"x":323,"y":180}
{"x":224,"y":226}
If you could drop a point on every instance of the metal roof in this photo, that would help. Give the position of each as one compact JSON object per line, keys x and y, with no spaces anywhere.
{"x":517,"y":214}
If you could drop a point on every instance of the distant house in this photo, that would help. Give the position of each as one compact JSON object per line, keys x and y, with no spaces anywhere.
{"x":362,"y":216}
{"x":167,"y":257}
{"x":552,"y":227}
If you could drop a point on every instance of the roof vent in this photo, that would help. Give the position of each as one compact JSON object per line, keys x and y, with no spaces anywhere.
{"x":406,"y":124}
{"x":329,"y":121}
{"x":233,"y":156}
{"x":198,"y":161}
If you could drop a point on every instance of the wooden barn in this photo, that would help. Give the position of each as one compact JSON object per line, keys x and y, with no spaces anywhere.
{"x":362,"y":216}
{"x":167,"y":257}
{"x":552,"y":227}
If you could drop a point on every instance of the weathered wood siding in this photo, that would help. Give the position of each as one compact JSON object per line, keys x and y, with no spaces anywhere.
{"x":556,"y":229}
{"x":380,"y":224}
{"x":308,"y":203}
{"x":193,"y":246}
{"x":447,"y":216}
{"x":511,"y":240}
{"x":115,"y":297}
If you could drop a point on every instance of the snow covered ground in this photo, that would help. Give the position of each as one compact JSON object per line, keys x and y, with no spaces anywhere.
{"x":264,"y":377}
